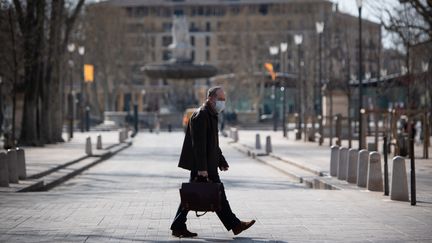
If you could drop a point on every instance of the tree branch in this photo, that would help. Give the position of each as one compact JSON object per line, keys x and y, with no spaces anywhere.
{"x":70,"y":22}
{"x":19,"y":11}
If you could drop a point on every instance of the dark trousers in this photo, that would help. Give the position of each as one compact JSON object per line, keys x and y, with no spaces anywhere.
{"x":227,"y":217}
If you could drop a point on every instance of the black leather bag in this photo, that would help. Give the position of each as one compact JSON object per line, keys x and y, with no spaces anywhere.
{"x":201,"y":196}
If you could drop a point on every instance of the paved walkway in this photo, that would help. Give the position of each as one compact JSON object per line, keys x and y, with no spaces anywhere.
{"x":317,"y":158}
{"x":134,"y":195}
{"x":51,"y":164}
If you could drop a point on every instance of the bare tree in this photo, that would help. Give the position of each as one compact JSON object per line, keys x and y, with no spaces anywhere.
{"x":45,"y":28}
{"x":106,"y":37}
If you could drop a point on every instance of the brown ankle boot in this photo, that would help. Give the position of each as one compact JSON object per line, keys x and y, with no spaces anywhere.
{"x":242,"y":226}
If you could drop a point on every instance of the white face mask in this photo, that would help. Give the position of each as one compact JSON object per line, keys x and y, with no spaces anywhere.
{"x":220,"y":106}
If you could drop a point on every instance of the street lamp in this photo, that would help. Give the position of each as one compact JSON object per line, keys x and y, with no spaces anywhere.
{"x":1,"y":105}
{"x":81,"y":52}
{"x":298,"y":39}
{"x":283,"y":49}
{"x":71,"y":49}
{"x":320,"y":30}
{"x":360,"y":76}
{"x":274,"y":50}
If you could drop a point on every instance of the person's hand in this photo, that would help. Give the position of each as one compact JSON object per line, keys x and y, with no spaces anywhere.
{"x":203,"y":173}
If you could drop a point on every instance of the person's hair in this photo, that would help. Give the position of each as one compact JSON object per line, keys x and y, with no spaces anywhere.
{"x":212,"y":91}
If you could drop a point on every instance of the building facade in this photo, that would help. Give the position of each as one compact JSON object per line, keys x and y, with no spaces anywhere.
{"x":235,"y":36}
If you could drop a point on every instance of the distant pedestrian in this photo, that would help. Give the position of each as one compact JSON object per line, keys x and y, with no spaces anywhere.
{"x":202,"y":156}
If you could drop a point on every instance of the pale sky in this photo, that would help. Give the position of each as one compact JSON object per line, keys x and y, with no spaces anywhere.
{"x":370,"y":10}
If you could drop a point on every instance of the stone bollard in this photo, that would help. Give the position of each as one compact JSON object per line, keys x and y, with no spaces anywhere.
{"x":362,"y":169}
{"x":126,"y":132}
{"x":371,"y":147}
{"x":334,"y":160}
{"x":12,"y":165}
{"x":4,"y":172}
{"x":268,"y":145}
{"x":99,"y":142}
{"x":399,"y":187}
{"x":121,"y":136}
{"x":257,"y":141}
{"x":235,"y":135}
{"x":374,"y":179}
{"x":352,"y":166}
{"x":342,"y":163}
{"x":21,"y":164}
{"x":88,"y":148}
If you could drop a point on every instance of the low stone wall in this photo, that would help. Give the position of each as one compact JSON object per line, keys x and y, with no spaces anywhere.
{"x":146,"y":119}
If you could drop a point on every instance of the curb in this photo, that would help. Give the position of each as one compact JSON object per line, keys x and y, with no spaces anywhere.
{"x":299,"y":165}
{"x":74,"y":173}
{"x":35,"y":183}
{"x":311,"y":182}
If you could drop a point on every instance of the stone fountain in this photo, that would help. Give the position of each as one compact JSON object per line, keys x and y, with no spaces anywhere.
{"x":180,"y":67}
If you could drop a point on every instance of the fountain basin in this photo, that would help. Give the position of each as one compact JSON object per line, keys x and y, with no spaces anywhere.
{"x":180,"y":70}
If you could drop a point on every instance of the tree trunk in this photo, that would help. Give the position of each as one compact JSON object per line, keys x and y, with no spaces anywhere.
{"x":32,"y":28}
{"x":29,"y":131}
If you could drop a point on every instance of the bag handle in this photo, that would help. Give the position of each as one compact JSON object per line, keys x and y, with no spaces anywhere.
{"x":202,"y":179}
{"x":199,"y":215}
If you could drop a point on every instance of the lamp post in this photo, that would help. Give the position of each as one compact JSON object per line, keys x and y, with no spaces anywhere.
{"x":274,"y":50}
{"x":81,"y":52}
{"x":360,"y":76}
{"x":298,"y":39}
{"x":283,"y":49}
{"x":320,"y":30}
{"x":71,"y":49}
{"x":1,"y":106}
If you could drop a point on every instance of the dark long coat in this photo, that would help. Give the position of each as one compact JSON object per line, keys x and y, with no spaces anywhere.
{"x":201,"y":150}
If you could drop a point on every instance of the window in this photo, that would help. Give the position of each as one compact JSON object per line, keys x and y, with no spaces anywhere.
{"x":193,"y":56}
{"x":166,"y":40}
{"x":166,"y":55}
{"x":263,"y":9}
{"x":178,"y":12}
{"x":167,"y":26}
{"x":193,"y":28}
{"x":207,"y":40}
{"x":208,"y":55}
{"x":192,"y":40}
{"x":208,"y":26}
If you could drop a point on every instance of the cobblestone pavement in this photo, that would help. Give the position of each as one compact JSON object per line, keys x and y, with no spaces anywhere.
{"x":134,"y":196}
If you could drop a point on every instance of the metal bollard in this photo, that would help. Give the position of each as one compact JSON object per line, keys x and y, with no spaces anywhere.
{"x":4,"y":171}
{"x":413,"y":177}
{"x":12,"y":165}
{"x":386,"y":182}
{"x":21,"y":164}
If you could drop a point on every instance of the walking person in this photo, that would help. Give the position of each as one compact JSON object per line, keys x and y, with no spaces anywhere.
{"x":202,"y":156}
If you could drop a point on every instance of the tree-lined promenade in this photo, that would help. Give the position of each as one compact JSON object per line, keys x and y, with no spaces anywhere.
{"x":38,"y":72}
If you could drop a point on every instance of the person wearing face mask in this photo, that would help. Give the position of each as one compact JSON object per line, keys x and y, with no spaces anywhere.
{"x":202,"y":156}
